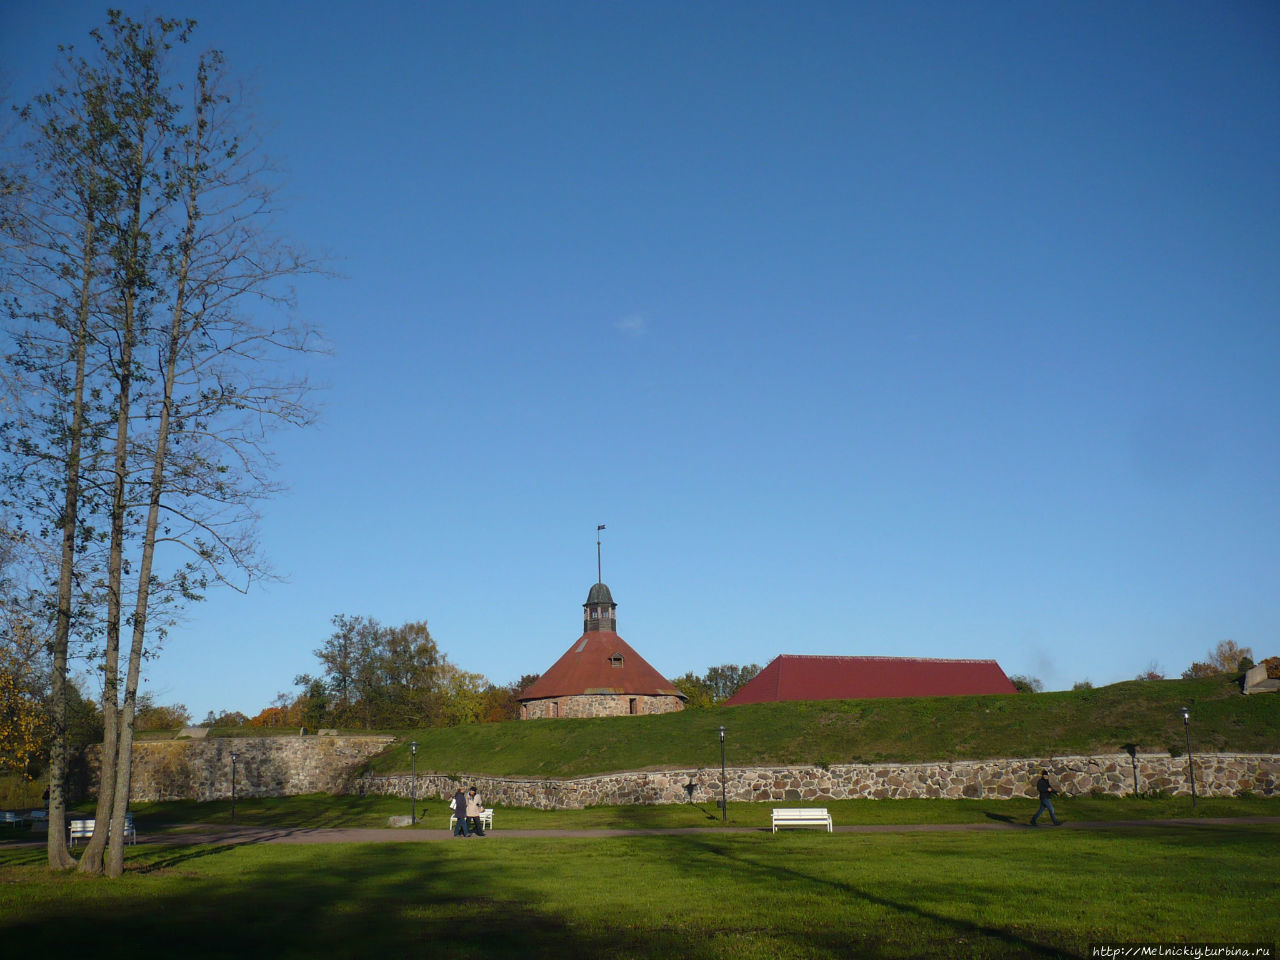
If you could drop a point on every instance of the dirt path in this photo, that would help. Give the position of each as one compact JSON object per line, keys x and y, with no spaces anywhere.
{"x":212,"y":834}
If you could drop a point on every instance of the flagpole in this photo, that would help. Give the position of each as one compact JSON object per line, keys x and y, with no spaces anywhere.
{"x":599,"y":573}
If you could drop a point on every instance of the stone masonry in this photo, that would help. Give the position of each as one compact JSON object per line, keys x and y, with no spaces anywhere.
{"x":287,"y":766}
{"x":599,"y":705}
{"x":265,"y":766}
{"x":1116,"y":775}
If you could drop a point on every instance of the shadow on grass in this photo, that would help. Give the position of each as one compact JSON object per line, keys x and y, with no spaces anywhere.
{"x":1001,"y":817}
{"x":176,"y":856}
{"x":393,"y":902}
{"x":462,"y":901}
{"x":974,"y":936}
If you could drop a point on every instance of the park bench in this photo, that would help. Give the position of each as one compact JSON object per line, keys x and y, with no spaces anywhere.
{"x":9,"y":818}
{"x":83,"y":830}
{"x":801,"y":817}
{"x":486,"y":819}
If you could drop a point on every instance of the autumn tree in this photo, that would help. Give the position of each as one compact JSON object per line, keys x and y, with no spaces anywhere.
{"x":715,"y":686}
{"x":378,"y":676}
{"x":22,"y":722}
{"x":224,"y":718}
{"x":1227,"y":657}
{"x":150,"y":715}
{"x":502,"y":702}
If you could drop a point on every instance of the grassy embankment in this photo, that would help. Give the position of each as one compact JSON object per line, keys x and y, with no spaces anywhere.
{"x":1040,"y":725}
{"x":1045,"y":893}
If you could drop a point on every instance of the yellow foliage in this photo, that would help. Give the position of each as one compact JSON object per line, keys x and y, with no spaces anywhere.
{"x":23,"y":731}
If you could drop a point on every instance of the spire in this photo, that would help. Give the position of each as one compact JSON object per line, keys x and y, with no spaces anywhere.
{"x":599,"y":575}
{"x":599,"y":612}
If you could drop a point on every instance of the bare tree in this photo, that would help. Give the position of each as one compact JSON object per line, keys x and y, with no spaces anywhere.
{"x":51,"y":224}
{"x":187,"y":353}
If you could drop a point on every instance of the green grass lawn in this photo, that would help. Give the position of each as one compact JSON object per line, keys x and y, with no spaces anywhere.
{"x":1101,"y":720}
{"x":1040,"y":893}
{"x":319,"y":810}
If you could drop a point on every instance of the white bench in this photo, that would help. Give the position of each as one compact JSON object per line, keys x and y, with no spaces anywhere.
{"x":83,"y":830}
{"x":801,"y":817}
{"x":9,"y":816}
{"x":486,"y":819}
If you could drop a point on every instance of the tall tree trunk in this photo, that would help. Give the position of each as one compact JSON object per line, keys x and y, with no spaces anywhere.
{"x":131,"y":271}
{"x":178,"y":330}
{"x":59,"y":856}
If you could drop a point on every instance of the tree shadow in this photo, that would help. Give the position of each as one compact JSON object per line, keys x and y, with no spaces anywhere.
{"x":964,"y":930}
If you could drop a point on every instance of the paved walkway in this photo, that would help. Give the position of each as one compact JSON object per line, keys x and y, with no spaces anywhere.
{"x":203,"y":833}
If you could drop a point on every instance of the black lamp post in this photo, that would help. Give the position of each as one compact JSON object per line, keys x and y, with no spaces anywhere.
{"x":724,"y":802}
{"x":234,"y":757}
{"x":1191,"y":767}
{"x":413,"y":783}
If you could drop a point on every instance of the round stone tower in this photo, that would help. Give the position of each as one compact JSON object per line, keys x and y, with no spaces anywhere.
{"x":600,"y":675}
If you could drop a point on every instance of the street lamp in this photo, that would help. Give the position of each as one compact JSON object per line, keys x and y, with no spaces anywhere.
{"x":234,"y":757}
{"x":413,"y":788}
{"x":1191,"y":767}
{"x":724,"y":802}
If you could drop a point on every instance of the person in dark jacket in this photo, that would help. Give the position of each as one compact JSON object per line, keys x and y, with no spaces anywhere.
{"x":1046,"y":791}
{"x":460,"y":829}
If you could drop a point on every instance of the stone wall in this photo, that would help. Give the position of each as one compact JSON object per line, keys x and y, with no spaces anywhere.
{"x":265,"y":766}
{"x":598,"y":705}
{"x":287,"y":766}
{"x":1117,"y":775}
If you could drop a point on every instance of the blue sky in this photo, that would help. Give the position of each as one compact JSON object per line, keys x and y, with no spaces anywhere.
{"x":944,"y":330}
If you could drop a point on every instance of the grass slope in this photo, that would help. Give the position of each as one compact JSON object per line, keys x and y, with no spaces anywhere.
{"x":1102,"y":720}
{"x":1043,"y":893}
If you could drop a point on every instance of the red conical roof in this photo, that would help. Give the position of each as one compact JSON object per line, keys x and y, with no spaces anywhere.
{"x":600,"y":662}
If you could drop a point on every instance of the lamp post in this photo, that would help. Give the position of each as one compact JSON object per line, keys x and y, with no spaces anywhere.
{"x":234,"y":757}
{"x":413,"y":783}
{"x":1191,"y":767}
{"x":724,"y":802}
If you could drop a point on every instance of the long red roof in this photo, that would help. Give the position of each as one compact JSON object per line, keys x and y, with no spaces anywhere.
{"x":794,"y":677}
{"x":588,"y":667}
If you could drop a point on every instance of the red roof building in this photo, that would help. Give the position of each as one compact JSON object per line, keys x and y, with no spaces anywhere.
{"x":600,"y":675}
{"x":793,"y":677}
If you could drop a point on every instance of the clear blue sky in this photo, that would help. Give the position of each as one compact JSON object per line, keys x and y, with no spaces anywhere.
{"x":928,"y":329}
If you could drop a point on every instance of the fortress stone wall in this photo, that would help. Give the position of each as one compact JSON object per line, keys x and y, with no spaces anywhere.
{"x":1118,"y":775}
{"x":287,"y":766}
{"x":265,"y":766}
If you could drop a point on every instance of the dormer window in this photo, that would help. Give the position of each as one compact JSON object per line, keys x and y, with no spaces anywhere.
{"x":616,"y":660}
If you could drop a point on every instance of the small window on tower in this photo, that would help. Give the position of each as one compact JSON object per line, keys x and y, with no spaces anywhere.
{"x":595,"y":614}
{"x":615,"y":660}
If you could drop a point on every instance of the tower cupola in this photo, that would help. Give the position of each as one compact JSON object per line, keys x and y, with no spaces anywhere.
{"x":599,"y":612}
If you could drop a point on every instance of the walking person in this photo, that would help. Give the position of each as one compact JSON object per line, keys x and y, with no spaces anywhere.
{"x":1046,"y":791}
{"x":460,"y":828}
{"x":474,"y":809}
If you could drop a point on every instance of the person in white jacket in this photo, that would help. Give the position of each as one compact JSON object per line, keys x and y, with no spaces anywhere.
{"x":474,"y":809}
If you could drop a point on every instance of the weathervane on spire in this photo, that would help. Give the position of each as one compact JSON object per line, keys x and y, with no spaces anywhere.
{"x":599,"y":575}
